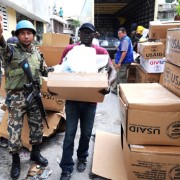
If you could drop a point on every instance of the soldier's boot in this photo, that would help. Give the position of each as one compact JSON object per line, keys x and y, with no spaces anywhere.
{"x":37,"y":157}
{"x":15,"y":169}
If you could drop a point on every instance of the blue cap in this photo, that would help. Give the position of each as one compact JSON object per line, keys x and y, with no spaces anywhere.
{"x":87,"y":26}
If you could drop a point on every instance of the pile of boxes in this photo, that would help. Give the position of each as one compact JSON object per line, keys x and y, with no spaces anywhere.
{"x":152,"y":62}
{"x":150,"y":112}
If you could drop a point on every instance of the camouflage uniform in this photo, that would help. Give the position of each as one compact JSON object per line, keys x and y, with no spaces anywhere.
{"x":17,"y":95}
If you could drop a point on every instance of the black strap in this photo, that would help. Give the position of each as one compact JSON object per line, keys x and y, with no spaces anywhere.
{"x":11,"y":53}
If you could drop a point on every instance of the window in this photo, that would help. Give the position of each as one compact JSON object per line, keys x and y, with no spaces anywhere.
{"x":5,"y":19}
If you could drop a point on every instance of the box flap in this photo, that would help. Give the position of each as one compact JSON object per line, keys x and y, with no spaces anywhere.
{"x":108,"y":159}
{"x":74,"y":80}
{"x":169,"y":150}
{"x":149,"y":97}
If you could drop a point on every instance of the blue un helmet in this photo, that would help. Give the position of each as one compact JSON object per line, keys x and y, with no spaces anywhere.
{"x":24,"y":24}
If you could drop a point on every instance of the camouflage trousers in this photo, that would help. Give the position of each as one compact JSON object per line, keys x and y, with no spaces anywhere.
{"x":17,"y":108}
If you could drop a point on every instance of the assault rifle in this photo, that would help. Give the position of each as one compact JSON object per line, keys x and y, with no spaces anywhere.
{"x":34,"y":89}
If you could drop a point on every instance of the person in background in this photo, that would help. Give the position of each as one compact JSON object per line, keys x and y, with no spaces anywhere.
{"x":96,"y":38}
{"x":37,"y":41}
{"x":12,"y":39}
{"x":142,"y":32}
{"x":134,"y":40}
{"x":123,"y":58}
{"x":16,"y":99}
{"x":83,"y":111}
{"x":61,"y":12}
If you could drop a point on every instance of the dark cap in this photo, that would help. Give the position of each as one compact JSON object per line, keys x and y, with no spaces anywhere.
{"x":87,"y":25}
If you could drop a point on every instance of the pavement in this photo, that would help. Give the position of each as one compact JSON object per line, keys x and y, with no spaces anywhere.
{"x":107,"y":119}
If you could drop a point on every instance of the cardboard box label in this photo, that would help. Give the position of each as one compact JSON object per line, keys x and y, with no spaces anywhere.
{"x":173,"y":46}
{"x":153,"y":65}
{"x":151,"y":50}
{"x":171,"y":78}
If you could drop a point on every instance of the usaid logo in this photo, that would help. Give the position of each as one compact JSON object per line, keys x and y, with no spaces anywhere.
{"x":174,"y":173}
{"x":173,"y":130}
{"x":154,"y":48}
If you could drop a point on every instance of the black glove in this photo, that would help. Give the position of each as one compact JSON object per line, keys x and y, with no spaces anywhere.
{"x":105,"y":91}
{"x":50,"y":69}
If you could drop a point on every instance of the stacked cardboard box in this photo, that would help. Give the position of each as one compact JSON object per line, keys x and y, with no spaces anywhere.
{"x":150,"y":131}
{"x":78,"y":86}
{"x":151,"y":62}
{"x":53,"y":47}
{"x":171,"y":76}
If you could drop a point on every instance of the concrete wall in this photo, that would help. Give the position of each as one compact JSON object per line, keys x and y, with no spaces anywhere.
{"x":35,"y":9}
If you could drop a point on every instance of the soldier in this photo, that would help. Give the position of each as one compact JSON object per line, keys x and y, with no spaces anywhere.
{"x":13,"y":55}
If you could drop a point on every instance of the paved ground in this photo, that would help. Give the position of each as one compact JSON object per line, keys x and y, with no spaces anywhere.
{"x":106,"y":120}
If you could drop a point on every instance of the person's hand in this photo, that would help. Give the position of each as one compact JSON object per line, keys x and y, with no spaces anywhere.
{"x":1,"y":24}
{"x":105,"y":91}
{"x":117,"y":66}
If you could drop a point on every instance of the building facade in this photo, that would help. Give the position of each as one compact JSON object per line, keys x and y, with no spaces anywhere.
{"x":36,"y":11}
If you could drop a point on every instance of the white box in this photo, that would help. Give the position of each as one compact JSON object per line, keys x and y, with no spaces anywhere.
{"x":153,"y":65}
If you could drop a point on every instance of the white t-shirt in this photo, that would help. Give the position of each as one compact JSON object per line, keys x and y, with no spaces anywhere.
{"x":95,"y":41}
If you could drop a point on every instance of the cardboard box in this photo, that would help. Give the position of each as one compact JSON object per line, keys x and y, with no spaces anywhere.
{"x":108,"y":157}
{"x":173,"y":46}
{"x":151,"y":162}
{"x":158,"y":30}
{"x":151,"y":50}
{"x":50,"y":102}
{"x":153,"y":65}
{"x":132,"y":72}
{"x":53,"y":121}
{"x":55,"y":39}
{"x":52,"y":55}
{"x":149,"y":113}
{"x":2,"y":90}
{"x":143,"y":77}
{"x":171,"y":78}
{"x":78,"y":86}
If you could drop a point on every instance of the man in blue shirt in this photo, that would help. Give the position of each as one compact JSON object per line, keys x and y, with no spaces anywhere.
{"x":123,"y":59}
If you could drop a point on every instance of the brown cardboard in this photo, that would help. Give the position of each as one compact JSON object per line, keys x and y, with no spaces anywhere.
{"x":151,"y":162}
{"x":2,"y":90}
{"x":173,"y":46}
{"x":151,"y":50}
{"x":143,"y":77}
{"x":53,"y":121}
{"x":132,"y":72}
{"x":55,"y":39}
{"x":158,"y":30}
{"x":149,"y":113}
{"x":50,"y":102}
{"x":52,"y":55}
{"x":107,"y":157}
{"x":171,"y":78}
{"x":77,"y":86}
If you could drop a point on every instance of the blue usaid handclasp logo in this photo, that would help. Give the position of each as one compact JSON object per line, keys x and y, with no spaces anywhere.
{"x":26,"y":65}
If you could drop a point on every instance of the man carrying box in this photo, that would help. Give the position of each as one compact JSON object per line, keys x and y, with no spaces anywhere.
{"x":85,"y":111}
